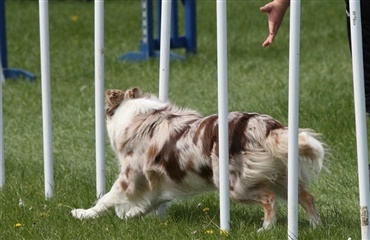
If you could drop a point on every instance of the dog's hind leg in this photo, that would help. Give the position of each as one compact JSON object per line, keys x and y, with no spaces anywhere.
{"x":306,"y":200}
{"x":113,"y":197}
{"x":269,"y":204}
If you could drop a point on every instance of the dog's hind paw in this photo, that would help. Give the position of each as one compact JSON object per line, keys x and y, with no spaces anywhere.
{"x":315,"y":222}
{"x":267,"y":225}
{"x":160,"y":212}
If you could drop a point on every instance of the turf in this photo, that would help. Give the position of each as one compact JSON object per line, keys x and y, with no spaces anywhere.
{"x":258,"y":82}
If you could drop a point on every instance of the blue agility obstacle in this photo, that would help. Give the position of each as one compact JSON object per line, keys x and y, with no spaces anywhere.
{"x":149,"y":45}
{"x":11,"y":73}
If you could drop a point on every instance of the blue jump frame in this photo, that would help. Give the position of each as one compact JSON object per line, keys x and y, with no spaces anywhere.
{"x":149,"y":45}
{"x":9,"y":73}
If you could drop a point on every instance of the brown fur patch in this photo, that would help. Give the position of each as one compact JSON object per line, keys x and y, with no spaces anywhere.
{"x":168,"y":158}
{"x":272,"y":124}
{"x":206,"y":172}
{"x":307,"y":201}
{"x":208,"y":132}
{"x":152,"y":152}
{"x":237,"y":137}
{"x":124,"y":185}
{"x":190,"y":165}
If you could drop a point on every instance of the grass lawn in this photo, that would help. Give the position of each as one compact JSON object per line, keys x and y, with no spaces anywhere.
{"x":258,"y":82}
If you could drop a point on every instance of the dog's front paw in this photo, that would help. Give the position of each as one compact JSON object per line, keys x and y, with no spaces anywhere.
{"x":120,"y":211}
{"x":83,"y":214}
{"x":79,"y":213}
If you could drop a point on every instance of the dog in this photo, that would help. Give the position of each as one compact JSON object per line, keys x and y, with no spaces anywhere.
{"x":168,"y":153}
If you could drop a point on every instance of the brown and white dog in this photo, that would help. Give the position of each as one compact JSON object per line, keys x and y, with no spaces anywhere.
{"x":167,"y":153}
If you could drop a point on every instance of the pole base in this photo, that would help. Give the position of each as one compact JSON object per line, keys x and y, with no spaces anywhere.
{"x":14,"y":73}
{"x":141,"y":56}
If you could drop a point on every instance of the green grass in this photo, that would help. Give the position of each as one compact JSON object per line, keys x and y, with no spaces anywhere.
{"x":258,"y":82}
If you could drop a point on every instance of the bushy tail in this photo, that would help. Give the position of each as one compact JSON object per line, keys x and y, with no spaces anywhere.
{"x":311,"y":151}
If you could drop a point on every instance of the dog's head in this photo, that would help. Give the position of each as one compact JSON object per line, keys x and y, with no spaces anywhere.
{"x":114,"y":97}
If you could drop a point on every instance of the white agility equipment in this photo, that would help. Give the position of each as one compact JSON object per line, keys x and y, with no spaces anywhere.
{"x":99,"y":97}
{"x":222,"y":94}
{"x":360,"y":115}
{"x":164,"y":55}
{"x":223,"y":125}
{"x":293,"y":119}
{"x":46,"y":98}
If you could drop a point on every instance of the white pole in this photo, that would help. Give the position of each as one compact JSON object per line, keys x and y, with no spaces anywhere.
{"x":2,"y":160}
{"x":99,"y":98}
{"x":361,"y":129}
{"x":294,"y":52}
{"x":46,"y":98}
{"x":223,"y":114}
{"x":164,"y":65}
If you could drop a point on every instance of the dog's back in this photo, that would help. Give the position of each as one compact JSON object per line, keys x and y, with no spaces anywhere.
{"x":258,"y":153}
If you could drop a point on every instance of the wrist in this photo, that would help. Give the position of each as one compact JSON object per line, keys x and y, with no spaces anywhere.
{"x":283,"y":3}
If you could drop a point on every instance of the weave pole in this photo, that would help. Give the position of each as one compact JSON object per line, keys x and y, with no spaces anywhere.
{"x":293,"y":119}
{"x":360,"y":114}
{"x":99,"y":97}
{"x":164,"y":57}
{"x":223,"y":114}
{"x":46,"y":97}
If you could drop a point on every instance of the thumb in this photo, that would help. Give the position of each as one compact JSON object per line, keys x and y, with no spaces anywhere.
{"x":266,"y":8}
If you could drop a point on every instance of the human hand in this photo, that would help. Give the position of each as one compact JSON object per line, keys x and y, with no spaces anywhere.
{"x":275,"y":14}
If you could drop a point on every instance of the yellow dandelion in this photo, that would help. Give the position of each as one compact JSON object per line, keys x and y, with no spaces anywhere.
{"x":43,"y":214}
{"x":74,"y":18}
{"x":206,"y":210}
{"x":17,"y":225}
{"x":224,"y":233}
{"x":209,"y":232}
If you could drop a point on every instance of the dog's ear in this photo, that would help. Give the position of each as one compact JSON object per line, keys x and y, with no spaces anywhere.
{"x":113,"y":98}
{"x":133,"y":93}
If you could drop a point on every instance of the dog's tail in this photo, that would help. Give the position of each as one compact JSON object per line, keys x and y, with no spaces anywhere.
{"x":311,"y":151}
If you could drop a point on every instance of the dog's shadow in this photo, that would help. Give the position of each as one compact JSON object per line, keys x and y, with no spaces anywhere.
{"x":206,"y":209}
